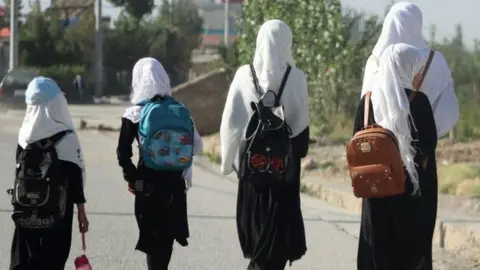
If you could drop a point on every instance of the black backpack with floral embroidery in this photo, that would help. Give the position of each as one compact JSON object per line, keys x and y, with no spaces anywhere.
{"x":266,"y":148}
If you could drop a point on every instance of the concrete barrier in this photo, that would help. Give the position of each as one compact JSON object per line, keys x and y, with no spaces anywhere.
{"x":205,"y":98}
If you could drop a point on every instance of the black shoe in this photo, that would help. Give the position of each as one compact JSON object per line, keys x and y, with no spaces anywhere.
{"x":182,"y":242}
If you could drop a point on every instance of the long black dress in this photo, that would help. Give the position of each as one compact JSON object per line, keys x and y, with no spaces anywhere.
{"x":396,"y":233}
{"x":270,"y":222}
{"x":162,"y":214}
{"x":49,"y":249}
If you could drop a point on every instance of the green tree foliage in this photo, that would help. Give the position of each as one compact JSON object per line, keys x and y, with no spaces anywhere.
{"x":136,"y":8}
{"x":44,"y":41}
{"x":184,"y":27}
{"x":82,"y":36}
{"x":170,"y":38}
{"x":121,"y":39}
{"x":47,"y":44}
{"x":465,"y":67}
{"x":323,"y":47}
{"x":230,"y":56}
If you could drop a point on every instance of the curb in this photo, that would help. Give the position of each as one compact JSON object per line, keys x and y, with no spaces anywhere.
{"x":454,"y":235}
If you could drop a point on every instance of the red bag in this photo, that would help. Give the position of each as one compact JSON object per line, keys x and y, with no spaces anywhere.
{"x":81,"y":262}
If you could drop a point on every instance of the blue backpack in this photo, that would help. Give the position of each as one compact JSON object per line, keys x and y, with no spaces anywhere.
{"x":166,"y":133}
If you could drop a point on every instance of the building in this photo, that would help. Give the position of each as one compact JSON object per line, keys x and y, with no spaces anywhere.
{"x":71,"y":10}
{"x":213,"y":14}
{"x":4,"y":48}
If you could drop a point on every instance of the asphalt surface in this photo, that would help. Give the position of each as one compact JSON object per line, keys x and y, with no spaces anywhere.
{"x":331,"y":232}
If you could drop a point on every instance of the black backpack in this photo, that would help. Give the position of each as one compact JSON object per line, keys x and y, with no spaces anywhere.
{"x":266,"y":148}
{"x":39,"y":193}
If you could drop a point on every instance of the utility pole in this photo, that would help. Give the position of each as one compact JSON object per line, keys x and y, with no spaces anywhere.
{"x":227,"y":23}
{"x":171,"y":12}
{"x":13,"y":35}
{"x":98,"y":50}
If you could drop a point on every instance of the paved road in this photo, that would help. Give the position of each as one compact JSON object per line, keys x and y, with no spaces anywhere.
{"x":331,"y":231}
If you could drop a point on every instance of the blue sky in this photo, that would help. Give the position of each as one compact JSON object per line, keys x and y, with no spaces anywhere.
{"x":443,"y":13}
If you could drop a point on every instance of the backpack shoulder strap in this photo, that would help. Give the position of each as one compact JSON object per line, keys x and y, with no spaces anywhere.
{"x":366,"y":109}
{"x":255,"y":81}
{"x":282,"y":86}
{"x":146,"y":109}
{"x":49,"y":142}
{"x":424,"y":73}
{"x":52,"y":141}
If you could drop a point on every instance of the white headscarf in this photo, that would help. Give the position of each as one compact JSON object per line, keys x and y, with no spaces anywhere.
{"x":47,"y":114}
{"x":391,"y":108}
{"x":272,"y":56}
{"x":150,"y":79}
{"x":403,"y":24}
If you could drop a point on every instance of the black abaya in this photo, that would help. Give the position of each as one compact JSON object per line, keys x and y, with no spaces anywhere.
{"x":161,"y":215}
{"x":49,"y":249}
{"x":396,"y":232}
{"x":269,"y":220}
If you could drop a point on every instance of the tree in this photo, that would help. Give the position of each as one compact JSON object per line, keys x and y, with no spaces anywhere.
{"x":124,"y":44}
{"x":184,"y":18}
{"x":43,"y":40}
{"x":119,"y":42}
{"x":82,"y":36}
{"x":230,"y":57}
{"x":36,"y":46}
{"x":433,"y":35}
{"x":184,"y":26}
{"x":136,"y":8}
{"x":465,"y":70}
{"x":170,"y":37}
{"x":456,"y":56}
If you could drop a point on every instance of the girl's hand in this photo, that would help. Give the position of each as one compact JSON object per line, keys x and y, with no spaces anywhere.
{"x":131,"y":188}
{"x":82,"y":218}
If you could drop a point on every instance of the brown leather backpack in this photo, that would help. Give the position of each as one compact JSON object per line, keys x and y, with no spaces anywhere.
{"x":373,"y":156}
{"x":374,"y":161}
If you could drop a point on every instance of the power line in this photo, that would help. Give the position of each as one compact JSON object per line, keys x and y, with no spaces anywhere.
{"x":99,"y":50}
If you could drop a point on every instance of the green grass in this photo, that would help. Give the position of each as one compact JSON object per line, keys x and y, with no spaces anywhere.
{"x":304,"y":188}
{"x":326,"y":164}
{"x":459,"y":179}
{"x":339,"y":137}
{"x":212,"y":157}
{"x":339,"y":133}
